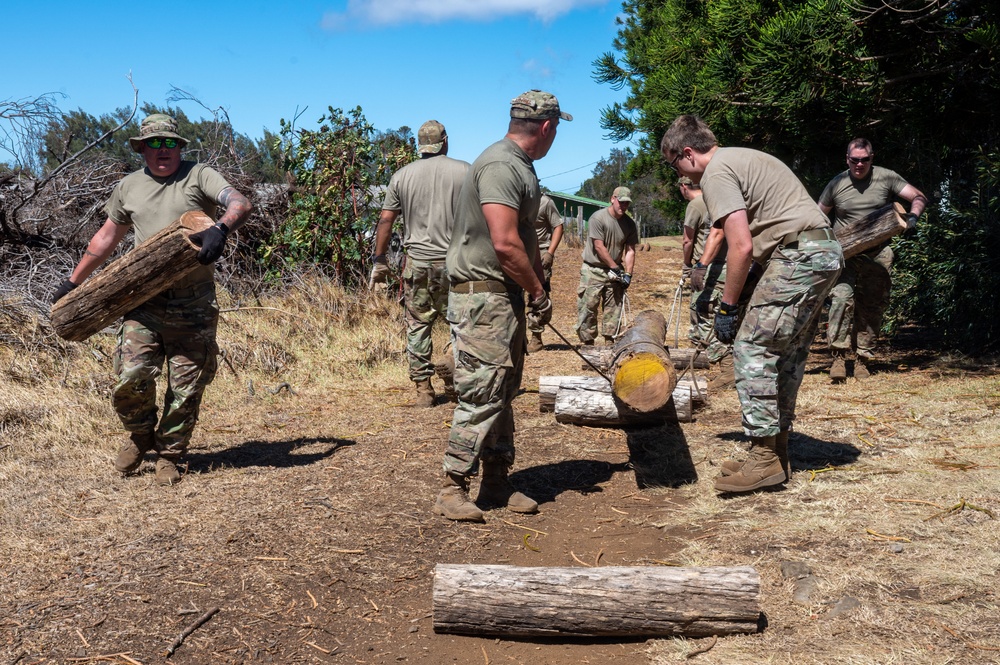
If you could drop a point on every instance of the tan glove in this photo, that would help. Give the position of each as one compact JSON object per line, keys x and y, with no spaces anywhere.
{"x":547,"y":259}
{"x":380,"y":272}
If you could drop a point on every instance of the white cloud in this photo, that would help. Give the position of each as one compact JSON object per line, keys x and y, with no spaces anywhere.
{"x":395,"y":12}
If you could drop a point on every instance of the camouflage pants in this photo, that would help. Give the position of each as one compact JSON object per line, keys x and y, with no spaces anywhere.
{"x":773,"y":341}
{"x":858,"y":302}
{"x":532,"y":322}
{"x":176,"y":327}
{"x":488,"y":339}
{"x":425,"y":294}
{"x":596,"y":291}
{"x":703,"y":306}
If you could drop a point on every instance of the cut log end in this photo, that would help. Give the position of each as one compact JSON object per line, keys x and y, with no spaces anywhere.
{"x":643,"y":380}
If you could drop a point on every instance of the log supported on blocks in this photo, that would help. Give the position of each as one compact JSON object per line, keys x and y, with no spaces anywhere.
{"x":601,"y":357}
{"x":648,"y":601}
{"x":644,"y":375}
{"x":590,"y":401}
{"x":872,"y":230}
{"x":155,"y":265}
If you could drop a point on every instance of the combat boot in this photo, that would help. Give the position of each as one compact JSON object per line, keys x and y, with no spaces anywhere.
{"x":726,"y":377}
{"x":166,"y":471}
{"x":860,"y":370}
{"x":130,"y":456}
{"x":535,"y":343}
{"x":781,"y":450}
{"x":838,"y":370}
{"x":425,"y":394}
{"x":496,"y":491}
{"x":763,"y":468}
{"x":445,"y":370}
{"x":453,"y":501}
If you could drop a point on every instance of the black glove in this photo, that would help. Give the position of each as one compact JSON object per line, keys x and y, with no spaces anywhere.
{"x":212,"y":241}
{"x":726,"y":323}
{"x":911,"y":226}
{"x":626,"y":279}
{"x":541,"y":309}
{"x":698,"y":276}
{"x":63,"y":289}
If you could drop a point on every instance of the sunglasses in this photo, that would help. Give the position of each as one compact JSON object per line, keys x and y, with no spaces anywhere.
{"x":673,"y":162}
{"x":158,"y":143}
{"x":859,"y":160}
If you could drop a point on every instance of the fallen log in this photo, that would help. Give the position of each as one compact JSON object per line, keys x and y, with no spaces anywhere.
{"x":591,"y":602}
{"x":155,"y":265}
{"x":643,"y":372}
{"x":871,"y":230}
{"x":588,"y":400}
{"x":548,"y":387}
{"x":601,"y":357}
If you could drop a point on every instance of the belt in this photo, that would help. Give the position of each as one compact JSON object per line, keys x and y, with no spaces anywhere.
{"x":793,"y":239}
{"x":190,"y":292}
{"x":484,"y":286}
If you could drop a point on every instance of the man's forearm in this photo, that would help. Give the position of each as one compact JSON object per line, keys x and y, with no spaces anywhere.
{"x":237,"y":208}
{"x":557,"y":234}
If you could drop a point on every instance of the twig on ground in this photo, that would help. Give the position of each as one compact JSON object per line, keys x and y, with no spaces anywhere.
{"x":190,"y":629}
{"x":894,"y":539}
{"x":704,"y":649}
{"x":103,"y":656}
{"x":970,"y":645}
{"x":929,"y":503}
{"x":528,"y":545}
{"x":959,"y":507}
{"x":485,"y":655}
{"x":577,"y":559}
{"x":597,"y":559}
{"x":526,"y":528}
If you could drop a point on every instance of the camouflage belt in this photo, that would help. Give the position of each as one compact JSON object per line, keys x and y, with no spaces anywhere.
{"x":484,"y":286}
{"x":793,"y":239}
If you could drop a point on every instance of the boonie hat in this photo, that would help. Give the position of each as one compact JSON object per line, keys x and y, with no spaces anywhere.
{"x":430,"y":137}
{"x":623,"y":194}
{"x":537,"y":105}
{"x":156,"y":125}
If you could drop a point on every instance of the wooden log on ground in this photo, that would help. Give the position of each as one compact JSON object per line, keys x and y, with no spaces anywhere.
{"x":601,"y":357}
{"x":160,"y":262}
{"x":548,"y":388}
{"x":588,"y":400}
{"x":644,"y":375}
{"x":872,"y":230}
{"x":654,"y":601}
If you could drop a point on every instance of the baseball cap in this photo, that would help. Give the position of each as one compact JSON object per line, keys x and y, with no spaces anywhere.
{"x":537,"y":105}
{"x":430,"y":137}
{"x":623,"y":194}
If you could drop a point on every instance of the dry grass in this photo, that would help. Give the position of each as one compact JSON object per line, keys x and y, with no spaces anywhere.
{"x":307,"y":516}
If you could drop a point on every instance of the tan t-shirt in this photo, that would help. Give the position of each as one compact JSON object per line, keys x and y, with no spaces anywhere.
{"x":696,"y":218}
{"x":503,"y":174}
{"x":853,"y":199}
{"x":616,"y":234}
{"x":151,"y":204}
{"x":546,"y":222}
{"x":426,"y":193}
{"x":775,"y":200}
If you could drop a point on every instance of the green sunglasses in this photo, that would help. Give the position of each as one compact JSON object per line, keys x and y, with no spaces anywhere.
{"x":157,"y":143}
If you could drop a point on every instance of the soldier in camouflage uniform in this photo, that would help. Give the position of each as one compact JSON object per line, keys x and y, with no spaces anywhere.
{"x":177,"y":327}
{"x":425,"y":192}
{"x":606,"y":272}
{"x":494,"y":266}
{"x":859,"y":299}
{"x":767,"y":217}
{"x":549,"y":228}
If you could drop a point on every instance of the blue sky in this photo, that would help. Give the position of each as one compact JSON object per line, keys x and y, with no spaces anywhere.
{"x":402,"y":61}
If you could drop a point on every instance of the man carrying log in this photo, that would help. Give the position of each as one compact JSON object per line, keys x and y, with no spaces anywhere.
{"x":549,"y":228}
{"x":767,"y":217}
{"x":494,"y":266}
{"x":425,"y":192}
{"x":177,"y":326}
{"x":608,"y":259}
{"x":861,"y":295}
{"x":707,"y":283}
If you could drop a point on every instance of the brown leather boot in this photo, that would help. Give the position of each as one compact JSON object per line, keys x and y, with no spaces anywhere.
{"x":496,"y":491}
{"x":445,"y":370}
{"x":860,"y":370}
{"x":727,"y":376}
{"x":763,"y":468}
{"x":781,"y":449}
{"x":535,"y":343}
{"x":838,"y":370}
{"x":166,"y":471}
{"x":131,"y":454}
{"x":425,"y":394}
{"x":453,"y":501}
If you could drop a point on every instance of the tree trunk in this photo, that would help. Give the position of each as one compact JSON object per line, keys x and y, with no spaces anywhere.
{"x":595,"y":602}
{"x":643,"y":372}
{"x":155,"y":265}
{"x":601,"y":357}
{"x":872,"y":230}
{"x":588,"y":400}
{"x":548,"y":388}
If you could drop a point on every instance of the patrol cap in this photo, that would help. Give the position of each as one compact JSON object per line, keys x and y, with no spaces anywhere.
{"x":156,"y":125}
{"x":430,"y":137}
{"x":537,"y":105}
{"x":623,"y":194}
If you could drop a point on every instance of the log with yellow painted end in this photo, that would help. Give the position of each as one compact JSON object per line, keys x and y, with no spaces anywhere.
{"x":157,"y":264}
{"x":644,"y":375}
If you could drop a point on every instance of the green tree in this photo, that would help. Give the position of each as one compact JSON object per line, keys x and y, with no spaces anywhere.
{"x":651,"y":203}
{"x":337,"y":171}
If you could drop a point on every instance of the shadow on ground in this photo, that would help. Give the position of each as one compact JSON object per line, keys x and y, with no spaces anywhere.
{"x":275,"y":454}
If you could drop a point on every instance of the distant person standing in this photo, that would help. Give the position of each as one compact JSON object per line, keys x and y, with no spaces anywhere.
{"x":425,"y":192}
{"x":707,"y":284}
{"x":495,"y":269}
{"x":176,"y":328}
{"x":549,"y":228}
{"x":768,"y":218}
{"x":859,"y":299}
{"x":606,"y":273}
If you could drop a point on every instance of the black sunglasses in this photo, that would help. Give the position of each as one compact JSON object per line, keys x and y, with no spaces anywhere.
{"x":673,"y":162}
{"x":157,"y":143}
{"x":859,"y":160}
